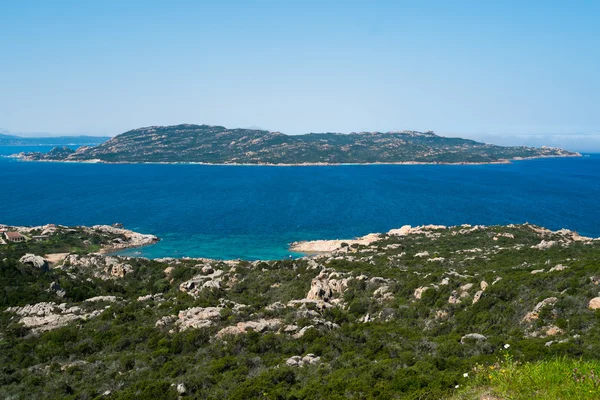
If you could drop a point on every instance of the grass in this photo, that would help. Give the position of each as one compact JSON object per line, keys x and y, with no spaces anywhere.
{"x":561,"y":378}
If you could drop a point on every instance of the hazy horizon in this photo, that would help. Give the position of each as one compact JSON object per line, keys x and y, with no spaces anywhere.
{"x":513,"y":73}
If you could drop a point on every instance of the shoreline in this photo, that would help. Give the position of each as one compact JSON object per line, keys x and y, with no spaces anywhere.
{"x":315,"y":164}
{"x":332,"y":246}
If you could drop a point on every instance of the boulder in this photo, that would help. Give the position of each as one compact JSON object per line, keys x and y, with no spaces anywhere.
{"x":35,"y":261}
{"x":594,"y":303}
{"x":297,"y":361}
{"x":419,"y":292}
{"x":325,"y":288}
{"x":473,"y":337}
{"x":454,"y":297}
{"x":534,"y":314}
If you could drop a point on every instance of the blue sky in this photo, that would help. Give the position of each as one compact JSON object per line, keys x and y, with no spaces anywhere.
{"x":508,"y":72}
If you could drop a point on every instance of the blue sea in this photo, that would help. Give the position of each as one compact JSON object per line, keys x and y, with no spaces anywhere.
{"x":254,"y":212}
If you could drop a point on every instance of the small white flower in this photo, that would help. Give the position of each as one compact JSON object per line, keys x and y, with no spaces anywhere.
{"x":506,"y":346}
{"x":465,"y":375}
{"x":456,"y":387}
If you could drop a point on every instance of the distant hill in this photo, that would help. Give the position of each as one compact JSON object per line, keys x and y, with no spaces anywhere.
{"x":220,"y":145}
{"x":12,"y":140}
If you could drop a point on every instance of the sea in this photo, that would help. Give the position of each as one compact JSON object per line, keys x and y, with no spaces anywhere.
{"x":255,"y":212}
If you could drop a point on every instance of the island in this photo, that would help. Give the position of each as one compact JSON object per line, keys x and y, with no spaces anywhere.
{"x":454,"y":312}
{"x":219,"y":145}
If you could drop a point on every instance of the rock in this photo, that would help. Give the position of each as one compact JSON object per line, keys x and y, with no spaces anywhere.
{"x":537,"y":271}
{"x":383,"y":293}
{"x":181,"y":389}
{"x":324,"y":288}
{"x":466,"y":287}
{"x":294,"y":361}
{"x":216,"y":284}
{"x":472,"y":337}
{"x":44,"y":316}
{"x":477,"y":296}
{"x":534,"y":314}
{"x":151,"y":297}
{"x":445,"y":281}
{"x":111,"y":299}
{"x":260,"y":326}
{"x":132,"y":239}
{"x":454,"y":298}
{"x":297,"y":361}
{"x":553,"y":330}
{"x":35,"y":261}
{"x":197,"y":317}
{"x":303,"y":331}
{"x":403,"y":231}
{"x":483,"y":285}
{"x":544,"y":245}
{"x":103,"y":267}
{"x":55,"y":287}
{"x":594,"y":303}
{"x":419,"y":292}
{"x":198,"y":283}
{"x":207,"y":269}
{"x":422,"y":254}
{"x":559,"y":267}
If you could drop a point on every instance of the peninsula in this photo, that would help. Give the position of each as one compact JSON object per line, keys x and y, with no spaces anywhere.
{"x":219,"y":145}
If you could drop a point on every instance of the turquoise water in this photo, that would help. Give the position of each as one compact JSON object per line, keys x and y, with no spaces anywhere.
{"x":255,"y":212}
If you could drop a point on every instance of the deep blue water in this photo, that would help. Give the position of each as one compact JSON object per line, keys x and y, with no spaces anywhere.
{"x":254,"y":212}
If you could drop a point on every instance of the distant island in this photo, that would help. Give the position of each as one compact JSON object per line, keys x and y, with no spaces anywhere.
{"x":219,"y":145}
{"x":13,"y":140}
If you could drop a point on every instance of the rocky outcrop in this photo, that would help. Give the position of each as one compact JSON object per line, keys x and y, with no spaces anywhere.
{"x":197,"y":317}
{"x":534,"y":314}
{"x":35,"y":261}
{"x":327,"y":286}
{"x":419,"y":292}
{"x":44,"y":316}
{"x":194,"y":286}
{"x":329,"y":246}
{"x":299,"y":361}
{"x":127,"y":238}
{"x":472,"y":337}
{"x":594,"y":303}
{"x":262,"y":325}
{"x":103,"y":267}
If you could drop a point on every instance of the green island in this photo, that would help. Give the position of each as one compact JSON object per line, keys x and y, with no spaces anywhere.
{"x":431,"y":312}
{"x":219,"y":145}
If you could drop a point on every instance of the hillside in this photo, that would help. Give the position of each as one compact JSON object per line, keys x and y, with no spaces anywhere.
{"x":12,"y":140}
{"x":405,"y":314}
{"x":217,"y":144}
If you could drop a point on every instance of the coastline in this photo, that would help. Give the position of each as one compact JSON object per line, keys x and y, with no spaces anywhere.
{"x":316,"y":164}
{"x":335,"y":246}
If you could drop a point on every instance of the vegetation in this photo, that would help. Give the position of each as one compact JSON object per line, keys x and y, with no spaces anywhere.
{"x":558,"y":378}
{"x":374,"y":337}
{"x":217,"y":144}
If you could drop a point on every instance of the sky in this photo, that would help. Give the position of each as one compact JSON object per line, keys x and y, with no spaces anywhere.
{"x":505,"y":72}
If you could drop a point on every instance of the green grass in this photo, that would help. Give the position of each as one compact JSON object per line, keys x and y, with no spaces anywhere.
{"x":560,"y":378}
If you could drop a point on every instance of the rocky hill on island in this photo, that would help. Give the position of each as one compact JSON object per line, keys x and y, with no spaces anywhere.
{"x":418,"y":312}
{"x":220,"y":145}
